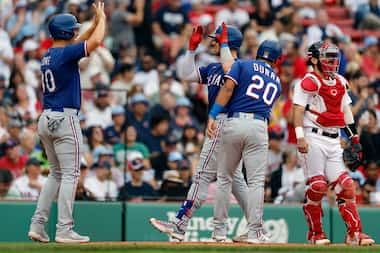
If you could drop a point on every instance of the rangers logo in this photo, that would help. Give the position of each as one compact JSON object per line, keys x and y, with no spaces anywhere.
{"x":334,"y":92}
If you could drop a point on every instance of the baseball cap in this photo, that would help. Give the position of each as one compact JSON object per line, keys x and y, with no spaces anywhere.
{"x":135,"y":159}
{"x":171,"y":140}
{"x":275,"y":132}
{"x":101,"y":90}
{"x":101,"y":150}
{"x":175,"y":156}
{"x":183,"y":101}
{"x":33,"y":161}
{"x":29,"y":45}
{"x":358,"y":176}
{"x":15,"y":123}
{"x":139,"y":98}
{"x":117,"y":110}
{"x":184,"y":164}
{"x":370,"y":41}
{"x":83,"y":163}
{"x":172,"y":176}
{"x":10,"y":144}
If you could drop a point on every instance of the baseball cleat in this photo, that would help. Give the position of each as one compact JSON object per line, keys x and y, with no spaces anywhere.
{"x":169,"y":228}
{"x":319,"y":239}
{"x":219,"y":238}
{"x":359,"y":238}
{"x":70,"y":237}
{"x":262,"y":238}
{"x":39,"y":236}
{"x":240,"y":238}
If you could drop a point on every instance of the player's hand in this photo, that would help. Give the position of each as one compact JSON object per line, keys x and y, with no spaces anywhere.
{"x":302,"y":145}
{"x":223,"y":37}
{"x":99,"y":10}
{"x":211,"y":128}
{"x":195,"y":38}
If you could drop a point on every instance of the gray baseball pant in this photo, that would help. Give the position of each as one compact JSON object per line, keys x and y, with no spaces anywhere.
{"x":61,"y":136}
{"x":206,"y":173}
{"x":247,"y":139}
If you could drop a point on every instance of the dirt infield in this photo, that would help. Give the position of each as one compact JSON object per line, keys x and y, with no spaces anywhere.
{"x":177,"y":247}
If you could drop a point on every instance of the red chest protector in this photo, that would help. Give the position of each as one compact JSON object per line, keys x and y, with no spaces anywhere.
{"x":332,"y":96}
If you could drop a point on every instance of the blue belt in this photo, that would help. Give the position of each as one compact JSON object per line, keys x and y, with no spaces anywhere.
{"x":62,"y":109}
{"x":245,"y":115}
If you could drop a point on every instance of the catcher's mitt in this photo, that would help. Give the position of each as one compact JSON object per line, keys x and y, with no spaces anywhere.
{"x":352,"y":155}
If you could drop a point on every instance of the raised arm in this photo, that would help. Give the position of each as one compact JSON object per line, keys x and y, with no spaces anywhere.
{"x":97,"y":36}
{"x":189,"y":71}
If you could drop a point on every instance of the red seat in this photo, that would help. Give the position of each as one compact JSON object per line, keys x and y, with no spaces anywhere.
{"x":342,"y":23}
{"x":355,"y":35}
{"x":371,"y":33}
{"x":337,"y":12}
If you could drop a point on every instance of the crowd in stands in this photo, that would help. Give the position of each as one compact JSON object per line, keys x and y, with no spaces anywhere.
{"x":143,"y":126}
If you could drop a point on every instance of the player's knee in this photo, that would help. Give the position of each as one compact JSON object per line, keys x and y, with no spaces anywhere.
{"x":347,"y":187}
{"x":317,"y":188}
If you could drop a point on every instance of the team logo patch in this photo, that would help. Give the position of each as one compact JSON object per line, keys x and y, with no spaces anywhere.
{"x":334,"y":92}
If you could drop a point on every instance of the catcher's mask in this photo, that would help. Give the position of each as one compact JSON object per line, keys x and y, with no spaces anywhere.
{"x":328,"y":57}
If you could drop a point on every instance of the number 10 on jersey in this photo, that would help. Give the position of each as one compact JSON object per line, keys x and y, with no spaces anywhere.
{"x":48,"y":83}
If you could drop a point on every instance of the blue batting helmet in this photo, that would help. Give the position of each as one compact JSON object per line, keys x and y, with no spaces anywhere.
{"x":269,"y":50}
{"x":62,"y":26}
{"x":235,"y":38}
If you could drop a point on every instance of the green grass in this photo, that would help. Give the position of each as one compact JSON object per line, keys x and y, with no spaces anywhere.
{"x":175,"y":248}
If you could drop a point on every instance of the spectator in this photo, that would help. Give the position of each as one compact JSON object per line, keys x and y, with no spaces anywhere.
{"x":369,"y":187}
{"x":159,"y":161}
{"x":123,"y":84}
{"x":168,"y":22}
{"x":182,"y":117}
{"x":287,"y":182}
{"x":287,"y":112}
{"x":13,"y":160}
{"x":185,"y":173}
{"x":18,"y":20}
{"x":95,"y":137}
{"x":100,"y":114}
{"x":138,"y":115}
{"x":147,"y":78}
{"x":128,"y":143}
{"x":323,"y":29}
{"x":14,"y":129}
{"x":137,"y":188}
{"x":30,"y":185}
{"x":190,"y":144}
{"x":232,"y":15}
{"x":275,"y":150}
{"x":307,"y":8}
{"x":159,"y":126}
{"x":367,"y":15}
{"x":173,"y":188}
{"x":174,"y":159}
{"x":6,"y":192}
{"x":370,"y":137}
{"x":28,"y":142}
{"x":26,"y":107}
{"x":112,"y":133}
{"x":250,"y":44}
{"x":6,"y":52}
{"x":100,"y":186}
{"x":82,"y":193}
{"x":370,"y":62}
{"x":359,"y":181}
{"x":263,"y":16}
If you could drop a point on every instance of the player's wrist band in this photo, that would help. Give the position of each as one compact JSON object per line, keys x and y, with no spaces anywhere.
{"x":299,"y":132}
{"x":224,"y":45}
{"x":215,"y":110}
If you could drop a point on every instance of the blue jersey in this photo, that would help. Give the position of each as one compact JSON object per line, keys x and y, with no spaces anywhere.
{"x":257,"y":87}
{"x":213,"y":76}
{"x":60,"y":76}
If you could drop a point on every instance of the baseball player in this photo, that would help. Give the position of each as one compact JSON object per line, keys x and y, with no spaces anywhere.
{"x":250,"y":89}
{"x":226,"y":42}
{"x":321,"y":109}
{"x":58,"y":125}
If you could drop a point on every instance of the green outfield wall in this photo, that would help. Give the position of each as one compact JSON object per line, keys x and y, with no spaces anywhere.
{"x":103,"y":221}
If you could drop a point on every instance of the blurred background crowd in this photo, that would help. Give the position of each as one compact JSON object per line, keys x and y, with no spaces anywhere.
{"x":143,"y":126}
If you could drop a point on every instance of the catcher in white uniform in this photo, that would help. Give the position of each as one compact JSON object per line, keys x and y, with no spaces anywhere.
{"x":321,"y":109}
